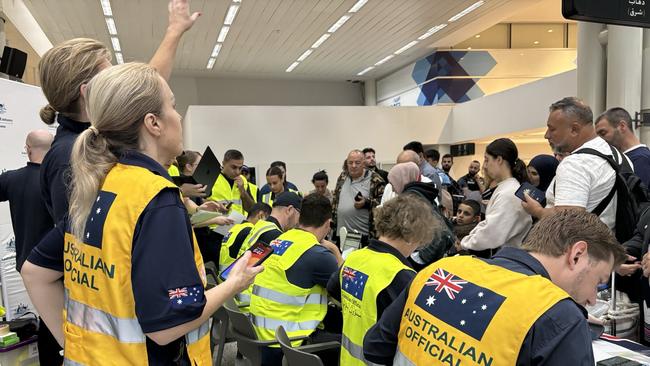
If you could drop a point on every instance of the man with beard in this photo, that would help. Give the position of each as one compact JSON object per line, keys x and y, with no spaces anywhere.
{"x":470,"y":181}
{"x":582,"y":181}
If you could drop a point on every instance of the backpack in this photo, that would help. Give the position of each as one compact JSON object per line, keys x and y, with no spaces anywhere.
{"x":632,"y":195}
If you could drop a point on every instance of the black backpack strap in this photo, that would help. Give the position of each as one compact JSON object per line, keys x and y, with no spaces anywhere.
{"x":605,"y":202}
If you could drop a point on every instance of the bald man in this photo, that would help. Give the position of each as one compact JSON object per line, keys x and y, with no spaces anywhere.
{"x":404,"y":157}
{"x":29,"y":216}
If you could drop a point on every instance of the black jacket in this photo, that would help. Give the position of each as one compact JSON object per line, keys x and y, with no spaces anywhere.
{"x":443,"y":239}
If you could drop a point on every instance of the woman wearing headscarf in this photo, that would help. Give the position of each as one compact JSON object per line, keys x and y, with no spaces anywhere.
{"x":541,"y":171}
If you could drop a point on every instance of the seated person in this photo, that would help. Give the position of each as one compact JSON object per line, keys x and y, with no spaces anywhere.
{"x":291,"y":290}
{"x":525,"y":306}
{"x":232,"y":242}
{"x":284,"y":216}
{"x":373,"y":277}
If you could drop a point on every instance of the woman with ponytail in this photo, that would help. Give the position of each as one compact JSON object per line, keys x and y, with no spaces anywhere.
{"x":64,"y":71}
{"x":506,"y":222}
{"x":133,"y":285}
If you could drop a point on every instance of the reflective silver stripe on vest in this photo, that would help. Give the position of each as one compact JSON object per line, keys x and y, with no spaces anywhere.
{"x":69,"y":362}
{"x":124,"y":330}
{"x":261,"y":231}
{"x":244,"y":298}
{"x":355,"y":350}
{"x":273,"y":324}
{"x":198,"y":333}
{"x":287,"y":299}
{"x":401,"y":360}
{"x":266,"y":198}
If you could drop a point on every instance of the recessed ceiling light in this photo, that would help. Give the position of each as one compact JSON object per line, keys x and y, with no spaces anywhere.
{"x":293,"y":66}
{"x":320,"y":41}
{"x":355,"y":8}
{"x":466,"y":11}
{"x":116,"y":44}
{"x":106,"y":8}
{"x":216,"y":50}
{"x":432,"y":31}
{"x":230,"y":16}
{"x":536,"y":42}
{"x":409,"y":45}
{"x":338,"y":24}
{"x":119,"y":58}
{"x":112,"y":29}
{"x":211,"y":62}
{"x":223,"y":33}
{"x":477,"y":36}
{"x":469,"y":48}
{"x":383,"y":60}
{"x":305,"y":55}
{"x":365,"y":70}
{"x":550,"y":31}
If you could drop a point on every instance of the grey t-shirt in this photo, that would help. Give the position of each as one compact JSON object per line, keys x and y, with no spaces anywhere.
{"x":349,"y":216}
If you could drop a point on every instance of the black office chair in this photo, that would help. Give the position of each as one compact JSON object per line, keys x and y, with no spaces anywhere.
{"x":302,"y":355}
{"x":243,"y":332}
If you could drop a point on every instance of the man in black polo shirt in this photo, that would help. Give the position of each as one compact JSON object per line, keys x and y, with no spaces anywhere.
{"x":29,"y":216}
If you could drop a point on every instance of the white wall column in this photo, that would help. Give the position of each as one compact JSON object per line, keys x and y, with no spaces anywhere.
{"x":624,"y":56}
{"x":591,"y":66}
{"x":370,"y":92}
{"x":644,"y":133}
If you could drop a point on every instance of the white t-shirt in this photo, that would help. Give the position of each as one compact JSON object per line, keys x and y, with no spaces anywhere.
{"x":506,"y":222}
{"x":584,"y":180}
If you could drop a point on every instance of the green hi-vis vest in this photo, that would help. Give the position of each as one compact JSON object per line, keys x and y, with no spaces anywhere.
{"x":275,"y":301}
{"x":100,"y":323}
{"x":260,"y":227}
{"x":224,"y":256}
{"x":222,"y":192}
{"x":464,"y":311}
{"x":364,"y":275}
{"x":266,"y":198}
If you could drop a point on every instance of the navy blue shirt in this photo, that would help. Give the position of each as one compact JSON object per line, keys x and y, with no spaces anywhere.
{"x":392,"y":291}
{"x":29,"y":218}
{"x":559,"y":337}
{"x":55,"y":169}
{"x":641,"y":159}
{"x":162,"y":259}
{"x":267,"y":188}
{"x":314,"y":267}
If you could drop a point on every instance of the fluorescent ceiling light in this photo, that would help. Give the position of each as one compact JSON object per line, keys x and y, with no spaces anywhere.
{"x":320,"y":41}
{"x":112,"y":29}
{"x":232,"y":12}
{"x":223,"y":33}
{"x":305,"y":55}
{"x":211,"y":62}
{"x":119,"y":58}
{"x":293,"y":66}
{"x":116,"y":44}
{"x":215,"y":50}
{"x":357,"y":6}
{"x":383,"y":60}
{"x":466,"y":11}
{"x":106,"y":8}
{"x":338,"y":23}
{"x":411,"y":44}
{"x":365,"y":70}
{"x":236,"y":1}
{"x":432,"y":31}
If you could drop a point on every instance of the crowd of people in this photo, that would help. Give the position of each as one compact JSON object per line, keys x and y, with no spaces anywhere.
{"x":445,"y":269}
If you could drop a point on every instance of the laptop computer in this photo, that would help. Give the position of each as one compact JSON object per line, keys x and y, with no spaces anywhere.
{"x":206,"y":172}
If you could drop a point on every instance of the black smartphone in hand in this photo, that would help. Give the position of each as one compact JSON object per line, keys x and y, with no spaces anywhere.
{"x":358,"y":197}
